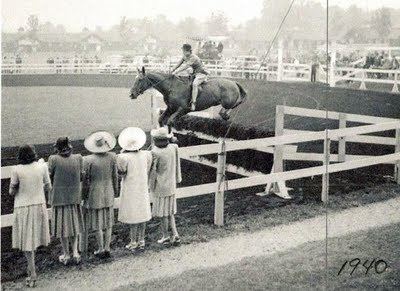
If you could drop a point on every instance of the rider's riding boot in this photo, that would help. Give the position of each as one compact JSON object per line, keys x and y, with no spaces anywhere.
{"x":195,"y":91}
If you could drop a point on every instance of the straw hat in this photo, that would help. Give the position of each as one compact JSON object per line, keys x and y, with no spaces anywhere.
{"x":100,"y":142}
{"x":161,"y":133}
{"x":132,"y":138}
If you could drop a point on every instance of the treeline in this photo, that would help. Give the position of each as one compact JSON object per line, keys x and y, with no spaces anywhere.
{"x":304,"y":17}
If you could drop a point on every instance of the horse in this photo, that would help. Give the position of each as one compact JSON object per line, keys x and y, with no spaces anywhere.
{"x":176,"y":91}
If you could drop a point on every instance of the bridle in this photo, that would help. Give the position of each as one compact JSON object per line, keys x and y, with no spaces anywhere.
{"x":153,"y":84}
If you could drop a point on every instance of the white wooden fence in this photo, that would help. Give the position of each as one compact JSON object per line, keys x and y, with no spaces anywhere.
{"x":285,"y":137}
{"x":248,"y":70}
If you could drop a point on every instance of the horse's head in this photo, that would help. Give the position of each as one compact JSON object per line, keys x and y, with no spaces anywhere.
{"x":142,"y":83}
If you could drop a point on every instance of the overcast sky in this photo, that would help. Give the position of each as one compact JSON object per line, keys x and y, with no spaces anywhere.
{"x":76,"y":14}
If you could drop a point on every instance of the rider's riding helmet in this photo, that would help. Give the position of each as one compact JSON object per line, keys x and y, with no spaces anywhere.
{"x":187,"y":47}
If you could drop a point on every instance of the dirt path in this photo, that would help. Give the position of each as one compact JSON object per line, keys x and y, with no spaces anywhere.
{"x":171,"y":262}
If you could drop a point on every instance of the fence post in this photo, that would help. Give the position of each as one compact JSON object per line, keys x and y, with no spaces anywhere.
{"x":332,"y":81}
{"x":219,"y":193}
{"x":325,"y":177}
{"x":362,"y":85}
{"x":395,"y":88}
{"x":397,"y":164}
{"x":280,"y":62}
{"x":278,"y":149}
{"x":342,"y":139}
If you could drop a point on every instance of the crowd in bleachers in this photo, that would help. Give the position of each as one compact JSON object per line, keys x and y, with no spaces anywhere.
{"x":81,"y":191}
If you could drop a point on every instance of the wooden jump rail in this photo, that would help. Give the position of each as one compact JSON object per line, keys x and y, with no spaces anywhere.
{"x":346,"y":162}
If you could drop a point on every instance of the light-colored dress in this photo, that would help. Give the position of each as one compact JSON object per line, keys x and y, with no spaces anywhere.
{"x":66,"y":195}
{"x":165,"y":174}
{"x":30,"y":220}
{"x":134,"y":194}
{"x":100,"y":185}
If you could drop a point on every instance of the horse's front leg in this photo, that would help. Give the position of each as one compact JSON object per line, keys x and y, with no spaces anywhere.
{"x":225,"y":113}
{"x":162,"y":120}
{"x":178,"y":113}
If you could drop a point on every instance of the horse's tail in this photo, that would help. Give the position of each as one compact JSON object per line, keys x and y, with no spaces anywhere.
{"x":242,"y":97}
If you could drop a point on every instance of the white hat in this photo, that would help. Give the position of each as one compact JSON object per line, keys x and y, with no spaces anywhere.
{"x":132,"y":138}
{"x":100,"y":142}
{"x":161,"y":133}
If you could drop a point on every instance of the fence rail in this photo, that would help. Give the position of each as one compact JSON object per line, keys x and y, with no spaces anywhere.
{"x":345,"y":162}
{"x":245,"y":70}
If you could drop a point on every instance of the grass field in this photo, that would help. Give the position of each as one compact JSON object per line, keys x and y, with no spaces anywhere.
{"x":39,"y":114}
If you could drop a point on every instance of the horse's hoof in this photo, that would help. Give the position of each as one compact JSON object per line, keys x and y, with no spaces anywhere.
{"x":224,"y":116}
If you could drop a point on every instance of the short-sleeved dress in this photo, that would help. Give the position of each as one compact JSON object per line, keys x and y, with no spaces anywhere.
{"x":30,"y":227}
{"x":134,"y":194}
{"x":100,"y":186}
{"x":66,"y":196}
{"x":165,"y":174}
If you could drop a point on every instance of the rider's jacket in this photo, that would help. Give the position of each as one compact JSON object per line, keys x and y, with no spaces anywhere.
{"x":196,"y":64}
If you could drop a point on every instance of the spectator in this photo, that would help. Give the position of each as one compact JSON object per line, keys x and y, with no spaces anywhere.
{"x":67,"y":220}
{"x":165,"y":174}
{"x":134,"y":166}
{"x":29,"y":182}
{"x":100,"y":187}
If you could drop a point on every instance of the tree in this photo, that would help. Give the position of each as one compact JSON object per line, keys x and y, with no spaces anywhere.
{"x":189,"y":27}
{"x":33,"y":23}
{"x":85,"y":29}
{"x":124,"y":27}
{"x":381,"y":22}
{"x":60,"y":28}
{"x":47,"y":27}
{"x":217,"y":24}
{"x":21,"y":29}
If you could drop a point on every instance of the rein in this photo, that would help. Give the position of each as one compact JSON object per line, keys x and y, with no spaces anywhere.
{"x":154,"y":84}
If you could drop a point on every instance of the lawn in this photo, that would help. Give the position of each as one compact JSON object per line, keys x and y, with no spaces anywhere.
{"x":303,"y":267}
{"x":35,"y":112}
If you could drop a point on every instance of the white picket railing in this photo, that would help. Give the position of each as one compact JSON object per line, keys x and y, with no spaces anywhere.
{"x":245,"y":70}
{"x":344,"y":162}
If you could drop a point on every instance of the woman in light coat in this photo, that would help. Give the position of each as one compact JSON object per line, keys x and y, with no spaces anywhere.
{"x":165,"y":174}
{"x":134,"y":165}
{"x":29,"y":183}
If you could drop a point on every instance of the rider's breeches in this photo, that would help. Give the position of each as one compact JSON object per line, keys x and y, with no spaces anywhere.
{"x":200,"y":78}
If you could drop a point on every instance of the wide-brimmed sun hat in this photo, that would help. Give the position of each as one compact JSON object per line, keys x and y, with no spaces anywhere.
{"x":100,"y":142}
{"x":161,"y":133}
{"x":132,"y":139}
{"x":63,"y":145}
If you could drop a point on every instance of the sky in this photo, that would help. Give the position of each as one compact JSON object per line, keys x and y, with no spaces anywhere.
{"x":76,"y":14}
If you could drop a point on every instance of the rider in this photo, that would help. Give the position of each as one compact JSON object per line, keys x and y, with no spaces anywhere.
{"x":200,"y":74}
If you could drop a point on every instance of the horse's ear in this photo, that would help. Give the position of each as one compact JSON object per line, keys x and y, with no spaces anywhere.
{"x":143,"y":71}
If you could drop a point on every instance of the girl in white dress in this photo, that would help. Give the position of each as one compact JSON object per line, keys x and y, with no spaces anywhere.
{"x":134,"y":167}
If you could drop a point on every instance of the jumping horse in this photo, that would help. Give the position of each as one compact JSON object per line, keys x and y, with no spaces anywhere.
{"x":177,"y":94}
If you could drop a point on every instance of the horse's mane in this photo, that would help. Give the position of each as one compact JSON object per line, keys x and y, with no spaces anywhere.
{"x":156,"y":75}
